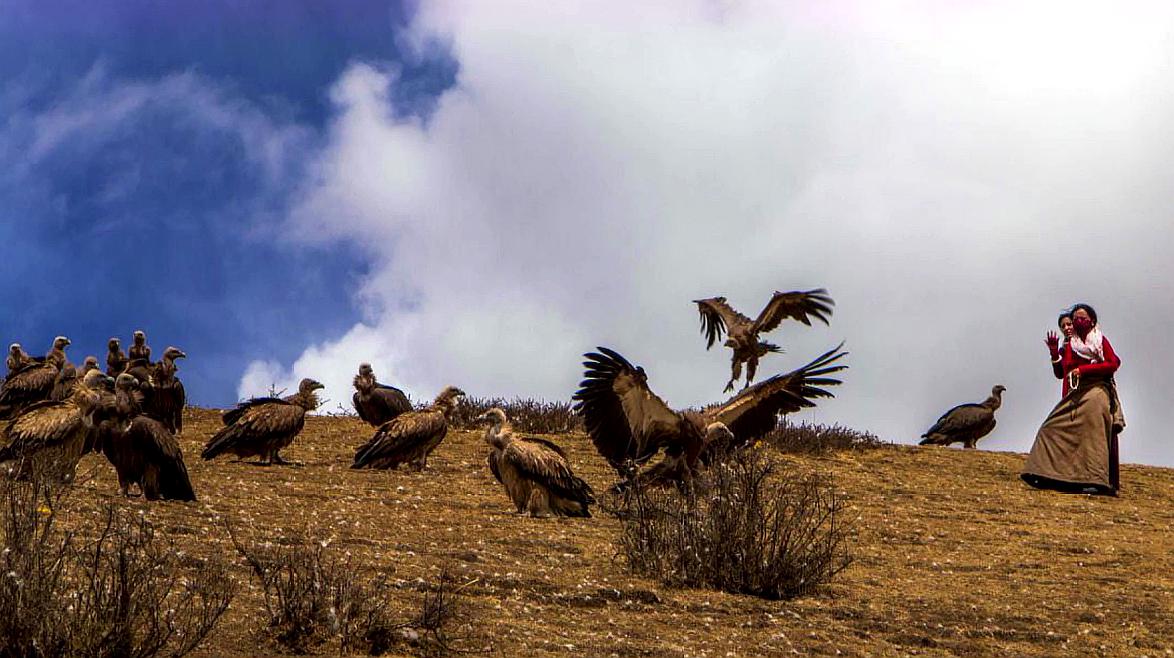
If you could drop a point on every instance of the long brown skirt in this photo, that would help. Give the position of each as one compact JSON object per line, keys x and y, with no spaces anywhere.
{"x":1076,"y":447}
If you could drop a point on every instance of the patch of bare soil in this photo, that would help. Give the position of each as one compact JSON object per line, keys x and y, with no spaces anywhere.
{"x":954,"y":556}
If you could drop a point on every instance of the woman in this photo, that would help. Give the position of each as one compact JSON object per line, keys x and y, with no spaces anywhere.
{"x":1055,"y":347}
{"x":1076,"y":448}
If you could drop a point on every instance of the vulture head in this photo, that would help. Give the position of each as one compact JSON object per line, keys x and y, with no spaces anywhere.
{"x":16,"y":350}
{"x":447,"y":399}
{"x":113,"y":344}
{"x":497,"y":420}
{"x":140,"y":337}
{"x":365,"y":370}
{"x":998,"y":389}
{"x":173,"y":353}
{"x":308,"y":386}
{"x":365,"y":380}
{"x":95,"y":380}
{"x":718,"y":432}
{"x":91,"y":363}
{"x":126,"y":382}
{"x":61,"y":342}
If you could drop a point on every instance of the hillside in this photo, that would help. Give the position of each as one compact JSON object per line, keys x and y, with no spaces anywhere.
{"x":953,"y":555}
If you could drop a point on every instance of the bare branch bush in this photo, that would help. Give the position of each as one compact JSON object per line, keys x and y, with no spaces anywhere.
{"x":813,"y":438}
{"x":751,"y":531}
{"x":526,"y":415}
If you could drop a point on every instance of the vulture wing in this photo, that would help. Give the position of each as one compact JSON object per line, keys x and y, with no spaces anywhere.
{"x":717,"y":317}
{"x":164,"y":401}
{"x":796,"y":305}
{"x":256,"y":421}
{"x":625,"y":419}
{"x":494,"y":461}
{"x":755,"y":410}
{"x":165,"y":476}
{"x":40,"y":426}
{"x":962,"y":418}
{"x":538,"y":462}
{"x":32,"y":383}
{"x":397,"y":439}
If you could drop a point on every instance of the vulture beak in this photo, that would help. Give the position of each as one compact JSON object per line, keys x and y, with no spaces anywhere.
{"x":482,"y":418}
{"x":179,"y":354}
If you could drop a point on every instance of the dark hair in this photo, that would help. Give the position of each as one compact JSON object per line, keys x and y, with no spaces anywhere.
{"x":1087,"y":309}
{"x":1066,"y":315}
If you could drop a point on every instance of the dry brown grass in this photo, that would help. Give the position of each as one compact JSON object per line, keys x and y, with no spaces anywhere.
{"x":952,"y":555}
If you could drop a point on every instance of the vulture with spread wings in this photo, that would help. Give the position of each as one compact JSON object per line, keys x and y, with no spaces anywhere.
{"x":535,"y":472}
{"x":629,"y":424}
{"x":718,"y":318}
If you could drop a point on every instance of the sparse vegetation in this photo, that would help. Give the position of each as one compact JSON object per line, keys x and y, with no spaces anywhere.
{"x":813,"y":438}
{"x":526,"y":415}
{"x":112,"y":586}
{"x":749,"y":531}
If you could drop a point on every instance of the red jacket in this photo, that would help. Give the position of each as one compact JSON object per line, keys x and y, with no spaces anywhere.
{"x":1070,"y":361}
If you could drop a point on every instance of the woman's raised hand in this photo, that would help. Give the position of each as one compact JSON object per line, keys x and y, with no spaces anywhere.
{"x":1053,"y":343}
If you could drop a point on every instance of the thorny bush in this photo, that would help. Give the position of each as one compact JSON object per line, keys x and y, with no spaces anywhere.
{"x":749,"y":531}
{"x":113,"y":586}
{"x":812,"y":438}
{"x":526,"y":415}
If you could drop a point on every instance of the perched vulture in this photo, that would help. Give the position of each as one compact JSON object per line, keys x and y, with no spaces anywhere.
{"x":263,"y":426}
{"x":91,"y":363}
{"x":115,"y":358}
{"x":31,"y":384}
{"x":535,"y":472}
{"x":377,"y":403}
{"x":141,"y":449}
{"x":718,"y":317}
{"x":629,"y":424}
{"x":966,"y":422}
{"x":65,"y":383}
{"x":163,"y":396}
{"x":57,"y":353}
{"x":17,"y":358}
{"x":53,"y":434}
{"x":409,"y":437}
{"x":139,"y":348}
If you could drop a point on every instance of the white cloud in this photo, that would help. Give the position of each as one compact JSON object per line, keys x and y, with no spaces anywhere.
{"x":954,"y":176}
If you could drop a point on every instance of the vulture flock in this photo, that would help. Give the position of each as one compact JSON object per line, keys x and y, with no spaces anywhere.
{"x":131,"y":413}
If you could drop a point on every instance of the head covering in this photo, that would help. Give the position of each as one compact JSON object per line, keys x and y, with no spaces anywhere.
{"x":1091,"y":347}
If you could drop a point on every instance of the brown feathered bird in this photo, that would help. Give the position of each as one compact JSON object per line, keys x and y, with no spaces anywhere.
{"x":377,"y":403}
{"x":409,"y":438}
{"x":139,"y":359}
{"x":56,"y":354}
{"x":17,"y":358}
{"x":141,"y":449}
{"x":535,"y":472}
{"x":718,"y":317}
{"x":31,"y":383}
{"x":629,"y":424}
{"x":53,"y":435}
{"x":115,"y":358}
{"x":91,"y":363}
{"x":965,"y":423}
{"x":263,"y":426}
{"x":163,"y":394}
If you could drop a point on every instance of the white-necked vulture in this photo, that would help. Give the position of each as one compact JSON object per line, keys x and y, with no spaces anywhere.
{"x":141,"y":449}
{"x":57,"y":353}
{"x":377,"y":403}
{"x":263,"y":426}
{"x":163,"y":394}
{"x":53,"y":435}
{"x":536,"y":473}
{"x":115,"y":358}
{"x":965,"y":423}
{"x":629,"y":424}
{"x":718,"y":317}
{"x":410,"y":437}
{"x":17,"y":358}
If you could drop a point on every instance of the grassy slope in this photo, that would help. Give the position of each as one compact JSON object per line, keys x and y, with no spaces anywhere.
{"x":953,"y":555}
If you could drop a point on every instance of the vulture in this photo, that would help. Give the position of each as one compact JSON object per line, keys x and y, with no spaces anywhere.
{"x":64,"y":383}
{"x":409,"y":437}
{"x":57,"y":354}
{"x":535,"y":472}
{"x":35,"y":381}
{"x":377,"y":403}
{"x":139,"y":362}
{"x":115,"y":358}
{"x":966,"y":422}
{"x":629,"y":424}
{"x":718,"y":317}
{"x":263,"y":426}
{"x":91,"y":363}
{"x":163,"y":395}
{"x":141,"y":449}
{"x":54,"y":434}
{"x":17,"y":358}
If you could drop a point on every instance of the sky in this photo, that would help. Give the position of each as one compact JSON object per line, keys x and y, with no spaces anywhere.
{"x":477,"y":193}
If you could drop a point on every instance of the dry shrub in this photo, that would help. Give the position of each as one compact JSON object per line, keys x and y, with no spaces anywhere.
{"x":812,"y":438}
{"x":113,"y":587}
{"x":311,"y":596}
{"x":749,"y":532}
{"x":526,"y":415}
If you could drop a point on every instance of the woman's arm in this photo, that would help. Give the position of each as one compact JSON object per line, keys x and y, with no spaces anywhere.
{"x":1105,"y":368}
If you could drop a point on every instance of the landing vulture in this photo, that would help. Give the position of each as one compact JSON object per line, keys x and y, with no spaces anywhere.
{"x":115,"y":358}
{"x":966,"y":422}
{"x":377,"y":403}
{"x":163,"y":395}
{"x":263,"y":426}
{"x":628,"y":423}
{"x":409,"y":437}
{"x":718,"y":317}
{"x":53,"y":435}
{"x":535,"y":472}
{"x":141,"y":449}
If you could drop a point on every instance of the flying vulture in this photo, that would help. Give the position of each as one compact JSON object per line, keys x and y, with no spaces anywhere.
{"x":54,"y":434}
{"x":409,"y":437}
{"x":115,"y":358}
{"x":263,"y":426}
{"x":629,"y":424}
{"x":377,"y":403}
{"x":163,"y":394}
{"x":966,"y":422}
{"x":718,"y":317}
{"x":535,"y":472}
{"x":141,"y":449}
